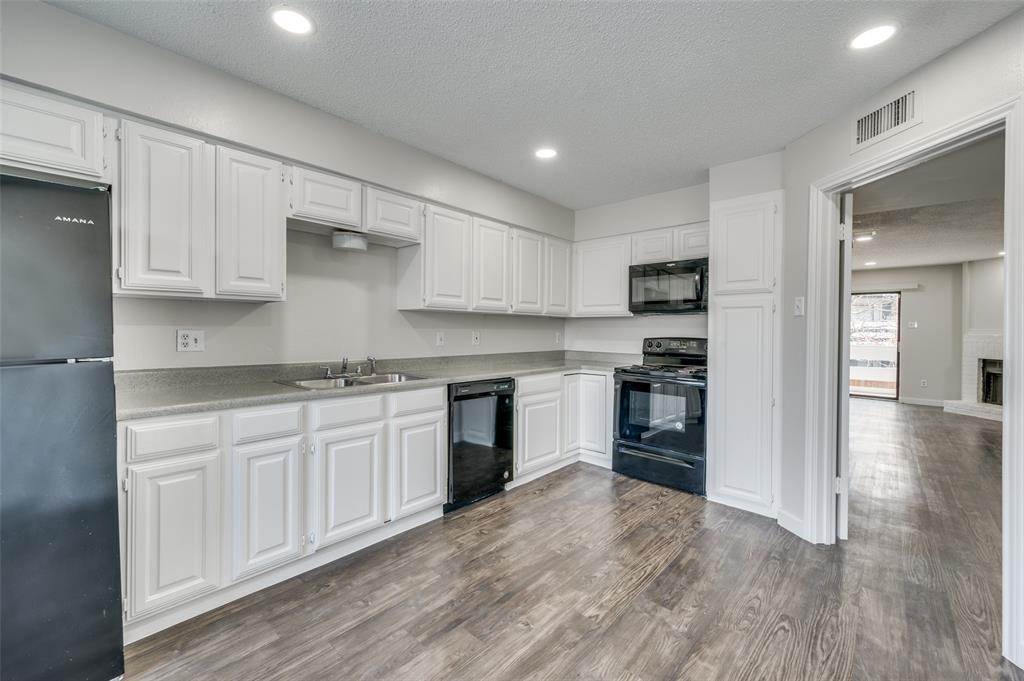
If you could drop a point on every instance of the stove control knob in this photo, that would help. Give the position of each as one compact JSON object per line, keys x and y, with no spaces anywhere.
{"x":650,"y":344}
{"x":658,"y":345}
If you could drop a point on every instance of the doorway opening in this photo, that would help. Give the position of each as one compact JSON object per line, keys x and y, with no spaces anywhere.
{"x":875,"y":345}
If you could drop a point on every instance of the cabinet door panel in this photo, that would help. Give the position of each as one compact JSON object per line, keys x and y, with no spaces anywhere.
{"x":571,"y":412}
{"x":393,"y":215}
{"x":743,"y":244}
{"x":446,"y":264}
{"x":173,"y":531}
{"x":47,"y":134}
{"x":593,"y":413}
{"x":692,"y":242}
{"x":167,"y":219}
{"x":490,"y":266}
{"x":350,"y":482}
{"x":539,"y":434}
{"x":250,"y":226}
{"x":558,"y":277}
{"x":527,"y":271}
{"x":601,"y":277}
{"x":657,"y":246}
{"x":418,"y":463}
{"x":267,"y":522}
{"x":325,"y":198}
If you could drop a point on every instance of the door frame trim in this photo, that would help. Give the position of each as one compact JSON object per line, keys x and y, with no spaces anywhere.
{"x":821,"y":406}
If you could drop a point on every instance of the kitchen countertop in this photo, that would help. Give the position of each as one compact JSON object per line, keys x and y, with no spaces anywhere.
{"x":166,"y":392}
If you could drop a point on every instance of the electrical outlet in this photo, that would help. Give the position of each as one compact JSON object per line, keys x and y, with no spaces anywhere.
{"x":911,"y":325}
{"x":439,"y":339}
{"x":476,"y":338}
{"x":558,"y":337}
{"x":798,"y":306}
{"x":924,"y":382}
{"x":191,"y":340}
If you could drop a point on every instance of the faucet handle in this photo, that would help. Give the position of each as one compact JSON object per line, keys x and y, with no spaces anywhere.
{"x":344,"y":365}
{"x":327,"y":371}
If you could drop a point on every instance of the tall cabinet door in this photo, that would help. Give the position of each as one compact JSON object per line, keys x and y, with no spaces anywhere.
{"x":167,"y":216}
{"x":743,"y":243}
{"x":173,"y":531}
{"x":418,"y":460}
{"x":527,"y":272}
{"x":350,"y":482}
{"x":267,"y":505}
{"x":740,"y":397}
{"x":250,"y":226}
{"x":490,"y":265}
{"x":558,"y":276}
{"x":446,"y":259}
{"x":571,"y":412}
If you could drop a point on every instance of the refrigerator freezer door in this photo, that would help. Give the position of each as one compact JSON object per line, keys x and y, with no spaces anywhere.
{"x":59,"y":566}
{"x":54,"y":272}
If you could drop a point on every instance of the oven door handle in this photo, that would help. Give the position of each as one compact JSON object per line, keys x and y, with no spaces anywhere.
{"x":636,"y":378}
{"x":655,"y":457}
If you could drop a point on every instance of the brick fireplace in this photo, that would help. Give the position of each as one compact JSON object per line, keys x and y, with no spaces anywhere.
{"x":981,"y":377}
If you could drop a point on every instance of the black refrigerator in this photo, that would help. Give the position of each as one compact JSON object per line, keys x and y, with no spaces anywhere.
{"x":60,"y":584}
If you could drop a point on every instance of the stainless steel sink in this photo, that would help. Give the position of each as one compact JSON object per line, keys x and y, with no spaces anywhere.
{"x":385,"y":378}
{"x":321,"y":383}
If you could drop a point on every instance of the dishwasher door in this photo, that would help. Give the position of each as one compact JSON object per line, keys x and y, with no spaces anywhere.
{"x":481,"y":423}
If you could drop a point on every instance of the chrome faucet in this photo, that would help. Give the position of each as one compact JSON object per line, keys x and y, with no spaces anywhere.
{"x":373,"y":364}
{"x":329,"y":374}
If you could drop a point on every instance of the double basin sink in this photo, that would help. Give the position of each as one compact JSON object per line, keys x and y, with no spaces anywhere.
{"x":346,"y":381}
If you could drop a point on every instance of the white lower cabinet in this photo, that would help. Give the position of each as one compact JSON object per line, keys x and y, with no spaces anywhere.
{"x":571,"y":412}
{"x":538,"y":431}
{"x":593,"y":400}
{"x":174,"y":539}
{"x":418,"y":458}
{"x":350,"y":482}
{"x":267,"y":491}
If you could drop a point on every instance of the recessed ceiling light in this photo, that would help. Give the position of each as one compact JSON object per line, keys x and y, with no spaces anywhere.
{"x":1002,"y":252}
{"x":870,"y":263}
{"x":291,"y":20}
{"x":873,"y":36}
{"x":865,"y":237}
{"x":545,"y":152}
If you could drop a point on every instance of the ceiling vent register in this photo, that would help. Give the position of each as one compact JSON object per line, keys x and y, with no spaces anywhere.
{"x":887,"y":120}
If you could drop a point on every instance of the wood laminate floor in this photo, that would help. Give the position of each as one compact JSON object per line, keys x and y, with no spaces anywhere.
{"x":586,"y":574}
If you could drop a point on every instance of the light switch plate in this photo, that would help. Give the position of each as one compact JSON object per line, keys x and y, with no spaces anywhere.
{"x":798,"y":306}
{"x":476,"y":338}
{"x":190,"y":340}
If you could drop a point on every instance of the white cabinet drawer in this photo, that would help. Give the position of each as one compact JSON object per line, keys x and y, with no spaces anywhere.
{"x":267,"y":422}
{"x":166,"y":437}
{"x":347,"y":411}
{"x":416,"y":401}
{"x":541,"y":383}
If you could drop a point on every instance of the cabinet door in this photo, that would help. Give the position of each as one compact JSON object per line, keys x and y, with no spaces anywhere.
{"x":691,"y":242}
{"x":267,"y":490}
{"x":167,"y":217}
{"x":350,"y":482}
{"x":538,"y":431}
{"x":393,"y":215}
{"x":743,"y":243}
{"x":740,"y":401}
{"x":527,"y":272}
{"x":446,"y":259}
{"x":601,"y":277}
{"x":324,"y":198}
{"x":418,"y":463}
{"x":558,"y":277}
{"x":571,"y":412}
{"x":50,"y":135}
{"x":656,"y":246}
{"x":173,"y":531}
{"x":594,"y":413}
{"x":250,"y":226}
{"x":490,"y":265}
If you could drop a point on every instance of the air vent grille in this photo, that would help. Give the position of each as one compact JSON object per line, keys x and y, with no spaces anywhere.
{"x":886,"y":120}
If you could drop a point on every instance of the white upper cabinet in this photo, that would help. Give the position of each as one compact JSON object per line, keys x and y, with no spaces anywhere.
{"x":350,"y":482}
{"x":418,"y":463}
{"x":167,"y":214}
{"x":323,"y":198}
{"x":49,"y":135}
{"x":393,"y":215}
{"x":250,"y":226}
{"x":601,"y":277}
{"x":491,"y":280}
{"x":527,"y":272}
{"x":691,"y":241}
{"x":558,"y":277}
{"x":743,"y":237}
{"x":655,"y":246}
{"x":447,"y":250}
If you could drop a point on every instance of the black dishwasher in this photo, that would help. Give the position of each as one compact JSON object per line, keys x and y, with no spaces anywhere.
{"x":481,"y":421}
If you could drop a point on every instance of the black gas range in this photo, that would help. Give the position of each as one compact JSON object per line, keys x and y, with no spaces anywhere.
{"x":661,"y":414}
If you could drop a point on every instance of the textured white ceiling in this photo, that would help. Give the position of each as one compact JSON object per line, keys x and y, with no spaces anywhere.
{"x":637,"y":97}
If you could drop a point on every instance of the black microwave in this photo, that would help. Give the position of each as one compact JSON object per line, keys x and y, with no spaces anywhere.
{"x":674,"y":287}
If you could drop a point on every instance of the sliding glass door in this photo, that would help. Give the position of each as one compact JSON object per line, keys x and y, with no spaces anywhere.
{"x":874,"y":345}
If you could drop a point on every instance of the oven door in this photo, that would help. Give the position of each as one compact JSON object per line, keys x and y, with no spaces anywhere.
{"x":668,"y":287}
{"x":661,"y":416}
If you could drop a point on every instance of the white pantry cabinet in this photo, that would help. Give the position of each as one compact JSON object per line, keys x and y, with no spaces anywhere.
{"x":601,"y":277}
{"x":250,"y":226}
{"x":447,"y":252}
{"x":166,"y":213}
{"x":325,"y":199}
{"x":691,"y":241}
{"x":491,"y":261}
{"x":393,"y":215}
{"x":654,"y":246}
{"x":527,"y":272}
{"x":558,"y":277}
{"x":743,"y":243}
{"x":50,"y":135}
{"x":418,"y":459}
{"x":350,"y":482}
{"x":174,"y":520}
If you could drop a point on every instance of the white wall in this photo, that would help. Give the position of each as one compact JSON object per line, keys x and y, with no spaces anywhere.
{"x":930,"y":350}
{"x":983,"y":72}
{"x":983,"y":295}
{"x":749,"y":176}
{"x":120,"y":72}
{"x":339,"y":303}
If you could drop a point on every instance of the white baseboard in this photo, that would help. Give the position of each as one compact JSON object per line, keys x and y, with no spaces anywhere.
{"x":791,"y":523}
{"x":743,"y":504}
{"x":524,"y":478}
{"x":596,"y":459}
{"x":921,"y":401}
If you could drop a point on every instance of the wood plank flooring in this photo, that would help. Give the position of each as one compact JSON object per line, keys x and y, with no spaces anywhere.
{"x":586,"y":574}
